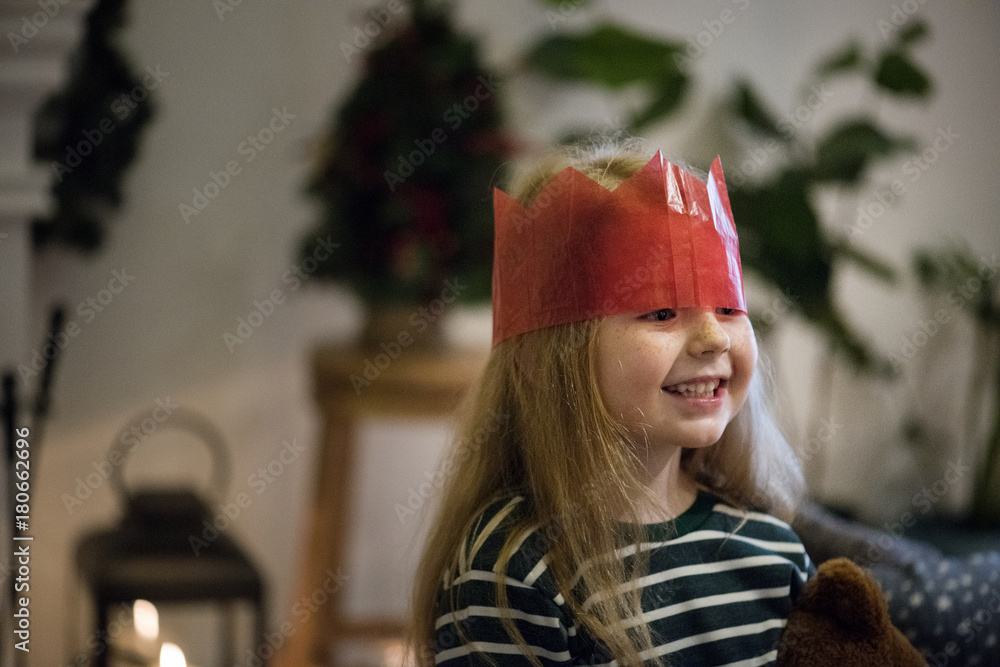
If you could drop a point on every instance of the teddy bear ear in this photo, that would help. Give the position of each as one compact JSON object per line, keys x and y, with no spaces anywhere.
{"x":843,"y":592}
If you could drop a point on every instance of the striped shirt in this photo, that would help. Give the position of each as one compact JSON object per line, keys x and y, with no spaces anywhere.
{"x":717,"y":592}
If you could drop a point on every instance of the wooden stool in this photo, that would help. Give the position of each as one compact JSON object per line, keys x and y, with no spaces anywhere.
{"x":353,"y":383}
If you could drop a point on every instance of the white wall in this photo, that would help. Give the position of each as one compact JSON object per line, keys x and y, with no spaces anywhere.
{"x":162,"y":335}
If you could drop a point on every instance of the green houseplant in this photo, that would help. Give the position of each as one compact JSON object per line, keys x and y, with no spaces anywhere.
{"x":964,"y":290}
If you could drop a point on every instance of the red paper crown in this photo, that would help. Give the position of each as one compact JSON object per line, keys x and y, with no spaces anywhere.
{"x":661,"y":239}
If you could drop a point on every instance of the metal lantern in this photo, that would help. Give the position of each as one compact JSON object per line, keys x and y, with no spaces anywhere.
{"x":154,"y":553}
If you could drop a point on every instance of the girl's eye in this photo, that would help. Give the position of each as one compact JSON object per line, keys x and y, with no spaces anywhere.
{"x":661,"y":315}
{"x":727,"y":311}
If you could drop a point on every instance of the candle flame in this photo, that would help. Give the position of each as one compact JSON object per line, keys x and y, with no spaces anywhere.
{"x":393,"y":653}
{"x":171,"y":655}
{"x":146,"y":619}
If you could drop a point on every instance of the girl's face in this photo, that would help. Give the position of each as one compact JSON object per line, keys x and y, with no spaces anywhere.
{"x":676,"y":377}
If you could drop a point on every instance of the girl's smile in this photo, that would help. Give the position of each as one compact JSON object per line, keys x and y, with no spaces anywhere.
{"x":676,"y":376}
{"x":702,"y":393}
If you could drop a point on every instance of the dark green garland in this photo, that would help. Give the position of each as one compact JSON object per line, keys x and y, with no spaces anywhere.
{"x":406,"y":179}
{"x":89,"y":132}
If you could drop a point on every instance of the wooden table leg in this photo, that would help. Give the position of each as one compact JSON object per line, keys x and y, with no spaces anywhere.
{"x":326,"y":547}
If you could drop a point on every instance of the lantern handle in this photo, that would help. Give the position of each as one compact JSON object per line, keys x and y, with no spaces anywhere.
{"x":179,"y":418}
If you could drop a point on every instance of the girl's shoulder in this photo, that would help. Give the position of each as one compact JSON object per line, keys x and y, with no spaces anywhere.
{"x":757,"y":531}
{"x":756,"y":519}
{"x":499,"y":515}
{"x":503,"y":522}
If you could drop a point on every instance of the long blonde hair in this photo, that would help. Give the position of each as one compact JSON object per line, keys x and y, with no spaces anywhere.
{"x":536,"y":427}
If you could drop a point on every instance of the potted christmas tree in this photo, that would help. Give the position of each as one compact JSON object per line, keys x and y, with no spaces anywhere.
{"x":406,"y":176}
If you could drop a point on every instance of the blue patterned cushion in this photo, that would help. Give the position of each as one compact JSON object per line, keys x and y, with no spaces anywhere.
{"x":948,"y":607}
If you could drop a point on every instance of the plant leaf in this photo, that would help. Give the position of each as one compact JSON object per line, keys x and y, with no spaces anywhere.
{"x":845,"y":60}
{"x":897,"y":74}
{"x":844,"y":153}
{"x":608,"y":55}
{"x":783,"y":239}
{"x":667,"y":97}
{"x":864,"y":260}
{"x":854,"y":346}
{"x":749,"y":107}
{"x":915,"y":31}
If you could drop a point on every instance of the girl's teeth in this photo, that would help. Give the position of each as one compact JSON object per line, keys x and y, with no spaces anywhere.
{"x":695,"y":389}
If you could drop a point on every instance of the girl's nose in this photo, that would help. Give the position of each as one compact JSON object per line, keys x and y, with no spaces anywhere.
{"x":707,"y":337}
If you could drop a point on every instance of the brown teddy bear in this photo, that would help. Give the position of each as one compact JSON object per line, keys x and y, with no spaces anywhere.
{"x":842,"y":620}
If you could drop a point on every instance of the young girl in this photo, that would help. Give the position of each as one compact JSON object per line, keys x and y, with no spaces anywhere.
{"x":616,"y":476}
